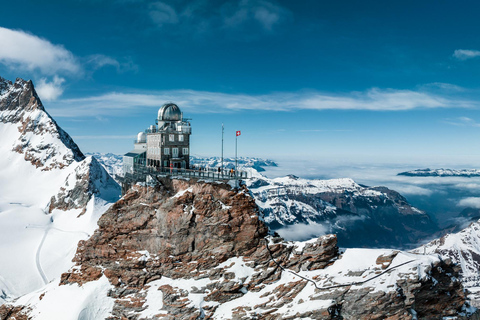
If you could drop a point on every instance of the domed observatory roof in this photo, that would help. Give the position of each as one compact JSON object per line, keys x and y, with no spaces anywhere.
{"x":141,"y":137}
{"x":169,"y":112}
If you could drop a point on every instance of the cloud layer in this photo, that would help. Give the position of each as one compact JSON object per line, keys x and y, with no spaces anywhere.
{"x":216,"y":102}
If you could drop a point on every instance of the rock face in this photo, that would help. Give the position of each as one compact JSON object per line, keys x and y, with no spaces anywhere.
{"x":87,"y":180}
{"x":41,"y":140}
{"x":360,"y":216}
{"x":189,"y":250}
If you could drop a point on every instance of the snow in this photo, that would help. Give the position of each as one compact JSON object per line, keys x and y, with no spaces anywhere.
{"x":154,"y":301}
{"x":37,"y":247}
{"x":71,"y":302}
{"x":182,"y":192}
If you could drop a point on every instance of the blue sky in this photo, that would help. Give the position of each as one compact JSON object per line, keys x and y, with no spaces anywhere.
{"x":328,"y":80}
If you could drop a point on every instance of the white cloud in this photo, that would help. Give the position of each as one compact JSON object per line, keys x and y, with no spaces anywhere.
{"x":472,"y":202}
{"x":300,"y":232}
{"x":266,"y":13}
{"x":217,"y":102}
{"x":49,"y":91}
{"x":412,"y":190}
{"x":461,"y":54}
{"x":162,"y":13}
{"x":28,"y":52}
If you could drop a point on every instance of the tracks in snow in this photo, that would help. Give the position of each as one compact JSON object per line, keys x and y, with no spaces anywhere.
{"x":39,"y":249}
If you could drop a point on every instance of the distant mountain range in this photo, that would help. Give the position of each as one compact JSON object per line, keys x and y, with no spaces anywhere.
{"x":441,"y":173}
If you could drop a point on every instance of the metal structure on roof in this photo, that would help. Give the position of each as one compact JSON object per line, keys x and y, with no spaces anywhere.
{"x":169,"y":112}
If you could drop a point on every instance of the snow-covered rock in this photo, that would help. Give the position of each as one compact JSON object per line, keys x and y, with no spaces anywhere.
{"x":113,"y":163}
{"x":462,"y":248}
{"x":51,"y":196}
{"x":360,"y":216}
{"x":441,"y":173}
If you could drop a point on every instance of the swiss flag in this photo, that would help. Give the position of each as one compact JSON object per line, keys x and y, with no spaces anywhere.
{"x":238,"y":133}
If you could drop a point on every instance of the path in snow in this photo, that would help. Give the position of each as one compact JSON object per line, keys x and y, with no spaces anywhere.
{"x":37,"y":256}
{"x":39,"y":249}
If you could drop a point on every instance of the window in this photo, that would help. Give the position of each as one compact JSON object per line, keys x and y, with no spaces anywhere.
{"x":180,"y":137}
{"x":185,"y":151}
{"x":175,"y":152}
{"x":166,"y":151}
{"x":171,"y":137}
{"x":165,"y":163}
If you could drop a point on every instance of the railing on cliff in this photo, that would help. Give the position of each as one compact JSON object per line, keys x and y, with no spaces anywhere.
{"x":141,"y":174}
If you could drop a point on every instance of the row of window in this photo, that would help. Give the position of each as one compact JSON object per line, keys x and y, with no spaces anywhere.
{"x":166,"y":151}
{"x":171,"y":137}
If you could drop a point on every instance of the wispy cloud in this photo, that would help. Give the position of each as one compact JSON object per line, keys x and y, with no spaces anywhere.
{"x":323,"y":130}
{"x":461,"y":54}
{"x":103,"y":137}
{"x":162,"y":13}
{"x":216,"y":102}
{"x":463,"y":122}
{"x":266,"y":14}
{"x":199,"y":16}
{"x":97,"y":61}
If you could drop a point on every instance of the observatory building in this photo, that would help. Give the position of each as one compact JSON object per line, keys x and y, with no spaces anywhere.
{"x":163,"y":145}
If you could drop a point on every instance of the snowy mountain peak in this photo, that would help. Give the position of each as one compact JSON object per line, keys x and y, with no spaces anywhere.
{"x":30,"y":130}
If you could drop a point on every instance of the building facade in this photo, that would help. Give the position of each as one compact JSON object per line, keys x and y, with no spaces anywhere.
{"x":163,"y":145}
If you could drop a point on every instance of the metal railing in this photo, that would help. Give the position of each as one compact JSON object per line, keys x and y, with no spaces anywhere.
{"x":141,"y":172}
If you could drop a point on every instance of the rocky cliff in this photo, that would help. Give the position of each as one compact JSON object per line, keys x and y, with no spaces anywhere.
{"x":194,"y":250}
{"x":41,"y":140}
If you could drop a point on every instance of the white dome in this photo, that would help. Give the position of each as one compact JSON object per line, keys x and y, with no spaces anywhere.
{"x":141,"y":137}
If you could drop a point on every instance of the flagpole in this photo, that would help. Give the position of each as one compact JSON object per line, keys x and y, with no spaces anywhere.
{"x":222,"y":148}
{"x":236,"y":173}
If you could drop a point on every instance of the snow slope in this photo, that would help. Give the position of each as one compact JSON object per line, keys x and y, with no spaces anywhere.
{"x":51,"y":196}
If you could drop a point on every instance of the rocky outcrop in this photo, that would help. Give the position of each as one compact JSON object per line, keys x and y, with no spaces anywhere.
{"x":87,"y":180}
{"x":188,"y":250}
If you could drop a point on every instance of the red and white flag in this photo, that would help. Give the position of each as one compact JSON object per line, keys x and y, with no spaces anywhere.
{"x":238,"y":133}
